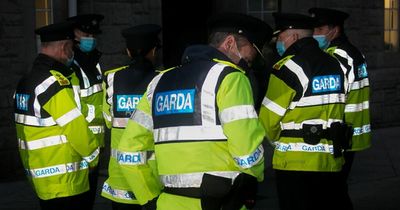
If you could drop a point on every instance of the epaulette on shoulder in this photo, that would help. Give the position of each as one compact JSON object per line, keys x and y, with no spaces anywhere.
{"x":230,"y":64}
{"x":62,"y":80}
{"x":165,"y":70}
{"x":278,"y":65}
{"x":331,"y":50}
{"x":115,"y":70}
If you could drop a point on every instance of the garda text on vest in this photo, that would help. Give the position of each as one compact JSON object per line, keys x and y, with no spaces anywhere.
{"x":22,"y":101}
{"x":174,"y":102}
{"x":326,"y":83}
{"x":127,"y":103}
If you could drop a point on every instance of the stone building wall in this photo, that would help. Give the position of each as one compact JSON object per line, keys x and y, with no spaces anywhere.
{"x":119,"y":15}
{"x":17,"y":50}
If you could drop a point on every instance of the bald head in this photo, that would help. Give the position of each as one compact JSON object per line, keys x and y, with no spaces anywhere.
{"x":290,"y":36}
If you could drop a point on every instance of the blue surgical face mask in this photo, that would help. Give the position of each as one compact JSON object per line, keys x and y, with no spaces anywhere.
{"x":87,"y":44}
{"x":280,"y":47}
{"x":323,"y":42}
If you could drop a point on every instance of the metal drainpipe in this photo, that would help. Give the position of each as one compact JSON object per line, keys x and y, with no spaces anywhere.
{"x":72,"y":8}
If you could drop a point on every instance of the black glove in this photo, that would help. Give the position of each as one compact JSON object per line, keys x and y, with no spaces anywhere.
{"x":151,"y":205}
{"x":249,"y":188}
{"x":244,"y":192}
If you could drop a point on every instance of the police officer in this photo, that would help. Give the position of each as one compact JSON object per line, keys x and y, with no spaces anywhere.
{"x":56,"y":147}
{"x":88,"y":85}
{"x":301,"y":112}
{"x":125,"y":86}
{"x":200,"y":120}
{"x":330,"y":34}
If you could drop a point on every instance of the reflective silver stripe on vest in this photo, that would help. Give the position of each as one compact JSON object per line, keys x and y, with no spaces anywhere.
{"x":85,"y":78}
{"x":359,"y":84}
{"x":68,"y":117}
{"x":193,"y":179}
{"x":237,"y":113}
{"x":150,"y":89}
{"x":333,"y":98}
{"x":248,"y":161}
{"x":119,"y":122}
{"x":99,"y":68}
{"x":343,"y":54}
{"x":91,"y":113}
{"x":296,"y":69}
{"x":143,"y":119}
{"x":346,"y":86}
{"x":97,"y":129}
{"x":34,"y":121}
{"x":208,"y":96}
{"x":57,"y":169}
{"x":357,"y":107}
{"x":362,"y":130}
{"x":77,"y":97}
{"x":42,"y":143}
{"x":297,"y":126}
{"x":41,"y":88}
{"x":93,"y":156}
{"x":129,"y":158}
{"x":348,"y":73}
{"x":107,"y":117}
{"x":110,"y":89}
{"x":117,"y":193}
{"x":91,"y":90}
{"x":274,"y":107}
{"x":182,"y":133}
{"x":303,"y":147}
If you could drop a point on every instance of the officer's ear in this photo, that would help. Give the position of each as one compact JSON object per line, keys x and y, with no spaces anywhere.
{"x":295,"y":37}
{"x":228,"y":43}
{"x":78,"y":34}
{"x":63,"y":46}
{"x":337,"y":31}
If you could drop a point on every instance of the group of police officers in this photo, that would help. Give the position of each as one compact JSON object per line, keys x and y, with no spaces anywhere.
{"x":190,"y":137}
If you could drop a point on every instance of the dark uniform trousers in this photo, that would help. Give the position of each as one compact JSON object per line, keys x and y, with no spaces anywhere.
{"x":303,"y":190}
{"x":76,"y":202}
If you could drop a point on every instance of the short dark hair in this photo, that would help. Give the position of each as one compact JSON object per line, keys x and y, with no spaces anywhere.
{"x":216,"y":38}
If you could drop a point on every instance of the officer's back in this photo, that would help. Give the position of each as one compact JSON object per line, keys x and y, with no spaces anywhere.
{"x":303,"y":107}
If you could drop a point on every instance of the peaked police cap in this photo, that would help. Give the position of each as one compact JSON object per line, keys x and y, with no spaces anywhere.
{"x":144,"y":36}
{"x":285,"y":21}
{"x":56,"y":32}
{"x":325,"y":16}
{"x":88,"y":23}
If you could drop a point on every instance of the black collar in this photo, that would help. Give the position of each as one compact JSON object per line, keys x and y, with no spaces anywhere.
{"x":53,"y":64}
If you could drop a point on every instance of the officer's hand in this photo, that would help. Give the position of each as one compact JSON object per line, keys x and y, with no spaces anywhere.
{"x":250,"y":203}
{"x":248,"y":187}
{"x":151,"y":205}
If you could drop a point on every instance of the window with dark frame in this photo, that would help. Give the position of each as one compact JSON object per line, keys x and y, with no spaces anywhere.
{"x":43,"y":16}
{"x":263,"y":9}
{"x":391,"y":29}
{"x":44,"y":12}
